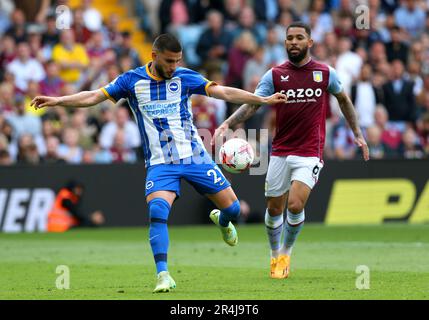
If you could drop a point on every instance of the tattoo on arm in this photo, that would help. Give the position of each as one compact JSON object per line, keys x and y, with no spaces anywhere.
{"x":349,"y":112}
{"x":242,"y":114}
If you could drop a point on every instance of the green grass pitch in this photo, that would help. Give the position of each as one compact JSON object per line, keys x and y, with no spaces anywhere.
{"x":118,"y":264}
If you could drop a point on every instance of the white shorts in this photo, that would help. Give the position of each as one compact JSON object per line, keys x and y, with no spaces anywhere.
{"x":283,"y":170}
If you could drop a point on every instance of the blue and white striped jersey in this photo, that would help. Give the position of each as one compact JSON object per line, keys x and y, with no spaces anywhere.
{"x":163,"y":111}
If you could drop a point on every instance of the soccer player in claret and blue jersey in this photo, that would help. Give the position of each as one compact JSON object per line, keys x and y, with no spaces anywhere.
{"x":159,"y":97}
{"x":296,"y":157}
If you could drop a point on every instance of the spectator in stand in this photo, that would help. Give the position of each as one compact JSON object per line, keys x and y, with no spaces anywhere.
{"x":71,"y":58}
{"x":52,"y":145}
{"x":399,"y":96}
{"x":120,"y":153}
{"x":22,"y":122}
{"x":215,"y":41}
{"x":331,"y":43}
{"x":22,"y":149}
{"x":38,"y":52}
{"x":52,"y":84}
{"x":390,"y":135}
{"x":377,"y":55}
{"x":81,"y":33}
{"x":232,"y":13}
{"x":242,"y":50}
{"x":7,"y":101}
{"x":70,"y":150}
{"x":365,"y":97}
{"x":410,"y":148}
{"x":126,"y":49}
{"x":79,"y":121}
{"x":411,"y":18}
{"x":377,"y":148}
{"x":266,"y":10}
{"x":285,"y":19}
{"x":275,"y":53}
{"x":174,"y":13}
{"x":345,"y":26}
{"x":24,"y":68}
{"x":7,"y":53}
{"x":256,"y":66}
{"x":122,"y":122}
{"x":348,"y":64}
{"x":319,"y":20}
{"x":51,"y":35}
{"x":343,"y":142}
{"x":96,"y":48}
{"x":29,"y":155}
{"x":18,"y":28}
{"x":111,"y":32}
{"x":247,"y":22}
{"x":397,"y":49}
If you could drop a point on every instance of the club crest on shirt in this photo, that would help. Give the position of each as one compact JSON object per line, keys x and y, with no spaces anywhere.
{"x":173,"y":86}
{"x":317,"y":76}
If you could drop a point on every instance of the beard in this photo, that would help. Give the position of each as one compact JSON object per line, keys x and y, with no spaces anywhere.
{"x":161,"y":72}
{"x":297,"y":57}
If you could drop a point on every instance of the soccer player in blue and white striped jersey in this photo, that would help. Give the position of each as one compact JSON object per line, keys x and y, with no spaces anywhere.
{"x":159,"y":97}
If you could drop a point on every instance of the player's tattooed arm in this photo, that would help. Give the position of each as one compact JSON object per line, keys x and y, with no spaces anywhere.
{"x":349,"y":113}
{"x":243,"y":113}
{"x":78,"y":100}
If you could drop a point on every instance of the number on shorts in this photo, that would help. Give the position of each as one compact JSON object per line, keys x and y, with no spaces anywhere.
{"x":212,"y":172}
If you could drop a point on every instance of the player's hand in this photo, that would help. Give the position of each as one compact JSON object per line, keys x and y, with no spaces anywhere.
{"x":219,"y":132}
{"x":97,"y":218}
{"x":276,"y":98}
{"x":44,"y":101}
{"x":361,"y":143}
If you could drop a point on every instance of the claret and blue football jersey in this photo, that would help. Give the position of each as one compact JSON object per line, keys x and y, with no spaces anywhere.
{"x":163,"y":111}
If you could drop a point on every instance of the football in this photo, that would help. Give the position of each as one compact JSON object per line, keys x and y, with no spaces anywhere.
{"x":236,"y":155}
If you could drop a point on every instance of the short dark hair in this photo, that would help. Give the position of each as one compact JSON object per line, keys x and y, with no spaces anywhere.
{"x":300,"y":24}
{"x":168,"y":42}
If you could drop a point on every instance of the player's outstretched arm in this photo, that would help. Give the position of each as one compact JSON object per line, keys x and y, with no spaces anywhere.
{"x":239,"y":96}
{"x":78,"y":100}
{"x":349,"y":112}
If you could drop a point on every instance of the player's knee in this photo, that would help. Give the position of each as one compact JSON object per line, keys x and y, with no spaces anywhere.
{"x":275,"y":207}
{"x":233,"y":211}
{"x":275,"y":210}
{"x":159,"y":210}
{"x":295,"y":205}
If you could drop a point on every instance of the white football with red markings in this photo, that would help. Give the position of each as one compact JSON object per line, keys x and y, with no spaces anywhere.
{"x":236,"y":155}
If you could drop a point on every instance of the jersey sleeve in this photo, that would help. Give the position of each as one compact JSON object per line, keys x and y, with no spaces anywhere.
{"x":265,"y":87}
{"x":118,"y":88}
{"x":335,"y":86}
{"x":196,"y":83}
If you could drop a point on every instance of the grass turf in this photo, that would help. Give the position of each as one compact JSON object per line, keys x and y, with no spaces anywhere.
{"x":118,"y":264}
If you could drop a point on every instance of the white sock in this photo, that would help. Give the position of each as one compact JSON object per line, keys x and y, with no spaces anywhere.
{"x":292,"y":227}
{"x":274,"y":228}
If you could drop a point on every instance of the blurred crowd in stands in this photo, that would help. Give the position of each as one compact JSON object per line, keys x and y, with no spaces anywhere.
{"x":384,"y":68}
